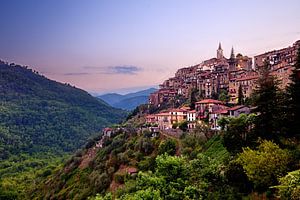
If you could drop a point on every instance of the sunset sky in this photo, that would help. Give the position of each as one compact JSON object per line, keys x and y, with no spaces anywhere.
{"x":126,"y":45}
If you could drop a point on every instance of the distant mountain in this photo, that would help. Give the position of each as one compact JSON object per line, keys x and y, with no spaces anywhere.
{"x":131,"y":103}
{"x":127,"y":101}
{"x":41,"y":115}
{"x":146,"y":92}
{"x":111,"y":98}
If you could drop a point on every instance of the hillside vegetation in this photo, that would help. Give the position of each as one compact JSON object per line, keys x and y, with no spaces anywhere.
{"x":111,"y":165}
{"x":253,"y":156}
{"x":41,"y":119}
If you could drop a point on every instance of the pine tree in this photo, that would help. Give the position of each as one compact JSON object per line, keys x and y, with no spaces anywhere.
{"x":241,"y":97}
{"x":294,"y":99}
{"x":266,"y":103}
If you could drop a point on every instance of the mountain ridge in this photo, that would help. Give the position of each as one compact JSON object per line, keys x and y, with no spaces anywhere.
{"x":39,"y":110}
{"x":128,"y":101}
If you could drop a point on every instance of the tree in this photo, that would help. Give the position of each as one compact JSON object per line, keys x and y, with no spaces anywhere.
{"x":168,"y":147}
{"x":237,"y":130}
{"x":145,"y":194}
{"x":289,"y":187}
{"x":202,"y":129}
{"x":108,"y":196}
{"x":193,"y":98}
{"x":170,"y":181}
{"x":294,"y":99}
{"x":183,"y":126}
{"x":266,"y":103}
{"x":224,"y":96}
{"x":241,"y":97}
{"x":237,"y":178}
{"x":214,"y":94}
{"x":264,"y":165}
{"x":171,"y":168}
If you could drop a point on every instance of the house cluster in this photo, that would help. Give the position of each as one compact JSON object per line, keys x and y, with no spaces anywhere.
{"x":216,"y":74}
{"x":209,"y":110}
{"x":213,"y":76}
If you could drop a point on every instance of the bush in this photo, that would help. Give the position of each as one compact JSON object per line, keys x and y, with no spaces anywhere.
{"x":237,"y":178}
{"x":289,"y":187}
{"x":183,"y":126}
{"x":168,"y":147}
{"x":119,"y":178}
{"x":175,"y":125}
{"x":100,"y":181}
{"x":122,"y":158}
{"x":264,"y":165}
{"x":147,"y":164}
{"x":147,"y":134}
{"x":139,"y":156}
{"x":145,"y":146}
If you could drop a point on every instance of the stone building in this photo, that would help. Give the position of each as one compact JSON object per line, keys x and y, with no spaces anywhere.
{"x":214,"y":75}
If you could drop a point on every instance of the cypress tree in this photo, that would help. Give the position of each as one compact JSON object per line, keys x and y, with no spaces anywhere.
{"x":241,"y":96}
{"x":266,"y":103}
{"x":294,"y":99}
{"x":193,"y":98}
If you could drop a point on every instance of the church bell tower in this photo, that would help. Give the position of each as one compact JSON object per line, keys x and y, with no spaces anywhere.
{"x":220,"y":52}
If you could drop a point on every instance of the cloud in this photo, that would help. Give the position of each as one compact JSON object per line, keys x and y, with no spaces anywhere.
{"x":122,"y":69}
{"x":125,"y":69}
{"x":76,"y":74}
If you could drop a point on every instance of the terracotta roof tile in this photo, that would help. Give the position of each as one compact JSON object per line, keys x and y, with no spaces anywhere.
{"x":210,"y":101}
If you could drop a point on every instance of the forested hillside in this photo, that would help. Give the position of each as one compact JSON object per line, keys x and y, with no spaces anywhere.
{"x":38,"y":114}
{"x":40,"y":117}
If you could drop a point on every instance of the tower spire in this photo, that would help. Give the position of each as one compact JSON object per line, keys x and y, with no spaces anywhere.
{"x":220,"y":52}
{"x":232,"y":56}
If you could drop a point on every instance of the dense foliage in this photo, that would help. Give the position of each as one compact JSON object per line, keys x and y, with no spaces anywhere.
{"x":294,"y":100}
{"x":41,"y":120}
{"x":38,"y":115}
{"x":267,"y":104}
{"x":238,"y":132}
{"x":179,"y":177}
{"x":289,"y":187}
{"x":264,"y":165}
{"x":103,"y":166}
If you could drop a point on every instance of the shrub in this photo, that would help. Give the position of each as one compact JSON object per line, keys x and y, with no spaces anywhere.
{"x":289,"y":187}
{"x":175,"y":125}
{"x":168,"y":147}
{"x":264,"y":165}
{"x":119,"y":178}
{"x":147,"y":164}
{"x":183,"y":126}
{"x":122,"y":158}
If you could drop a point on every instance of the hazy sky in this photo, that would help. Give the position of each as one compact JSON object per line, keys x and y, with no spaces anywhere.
{"x":124,"y":45}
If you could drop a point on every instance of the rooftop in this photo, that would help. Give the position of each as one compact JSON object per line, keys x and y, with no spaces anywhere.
{"x":205,"y":101}
{"x":236,"y":107}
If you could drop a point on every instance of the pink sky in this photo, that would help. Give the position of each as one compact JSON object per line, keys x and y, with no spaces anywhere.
{"x":104,"y":46}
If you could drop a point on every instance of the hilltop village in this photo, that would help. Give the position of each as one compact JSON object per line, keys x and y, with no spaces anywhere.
{"x":218,"y":83}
